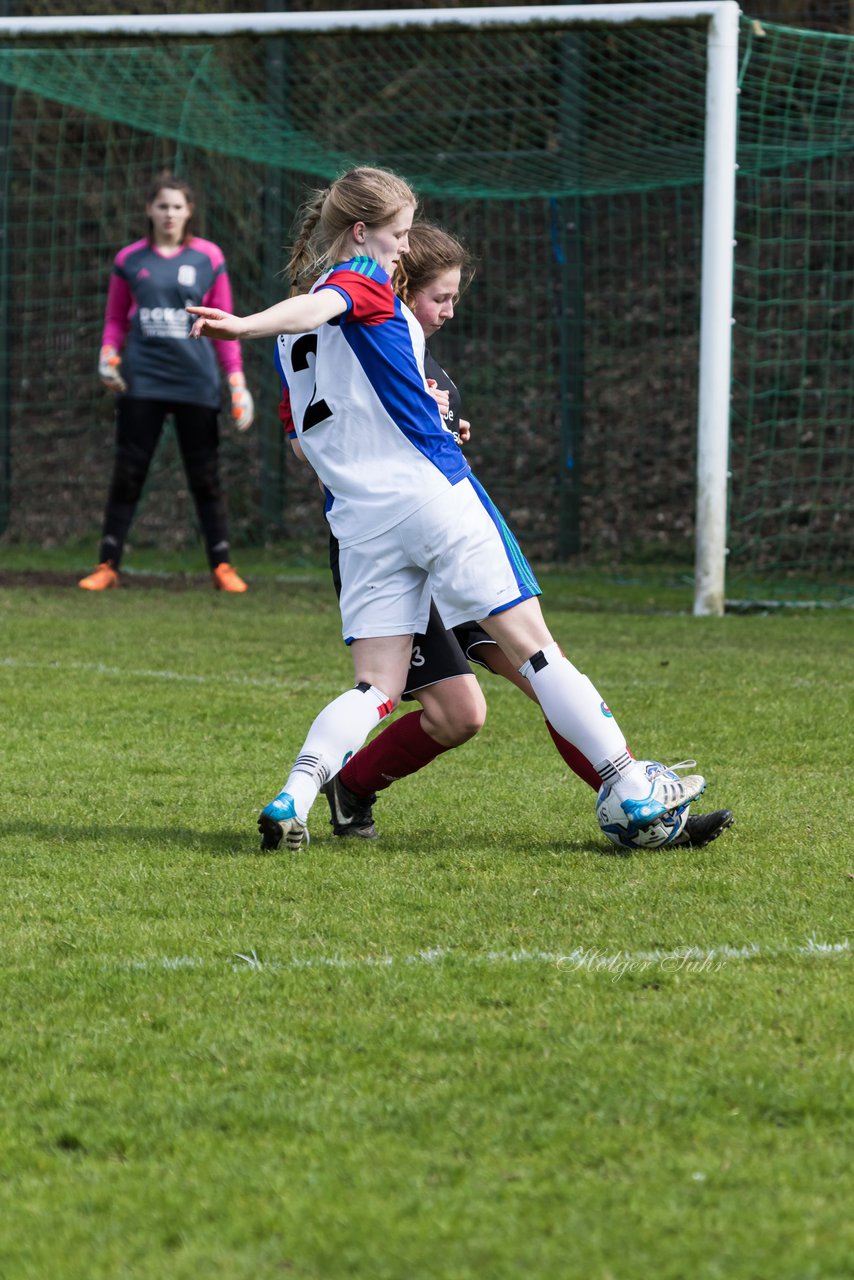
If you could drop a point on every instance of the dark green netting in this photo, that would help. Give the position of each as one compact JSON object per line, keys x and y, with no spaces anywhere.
{"x":510,"y":101}
{"x":793,"y":372}
{"x":572,"y":161}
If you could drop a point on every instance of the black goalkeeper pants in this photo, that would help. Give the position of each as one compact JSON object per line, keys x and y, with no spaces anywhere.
{"x":139,"y":425}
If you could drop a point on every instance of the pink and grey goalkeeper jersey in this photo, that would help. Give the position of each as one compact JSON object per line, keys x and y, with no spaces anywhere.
{"x":354,"y":395}
{"x":146,"y":321}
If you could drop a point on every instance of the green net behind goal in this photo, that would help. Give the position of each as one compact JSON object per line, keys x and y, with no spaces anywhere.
{"x":571,"y":161}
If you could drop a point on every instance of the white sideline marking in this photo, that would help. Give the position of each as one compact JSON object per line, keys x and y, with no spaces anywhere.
{"x":101,"y":669}
{"x":583,"y":959}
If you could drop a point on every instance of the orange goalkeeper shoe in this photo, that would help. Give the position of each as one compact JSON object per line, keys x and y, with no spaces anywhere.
{"x":104,"y":576}
{"x":225,"y":578}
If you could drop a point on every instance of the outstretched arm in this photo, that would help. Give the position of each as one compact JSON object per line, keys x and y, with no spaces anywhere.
{"x":293,"y":315}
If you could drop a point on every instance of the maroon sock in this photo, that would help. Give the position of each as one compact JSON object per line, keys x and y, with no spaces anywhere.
{"x":401,"y":749}
{"x":577,"y":762}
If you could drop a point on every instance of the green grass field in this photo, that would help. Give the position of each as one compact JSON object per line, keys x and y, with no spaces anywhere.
{"x":485,"y":1047}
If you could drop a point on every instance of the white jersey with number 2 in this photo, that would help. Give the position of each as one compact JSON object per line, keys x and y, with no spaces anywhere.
{"x":355,"y":396}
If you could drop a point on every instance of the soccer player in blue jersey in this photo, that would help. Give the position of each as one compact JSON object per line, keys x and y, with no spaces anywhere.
{"x":411,"y":520}
{"x":154,"y":370}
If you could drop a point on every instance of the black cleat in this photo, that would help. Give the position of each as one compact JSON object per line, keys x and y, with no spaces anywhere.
{"x":271,"y":832}
{"x":351,"y":815}
{"x":703,"y":828}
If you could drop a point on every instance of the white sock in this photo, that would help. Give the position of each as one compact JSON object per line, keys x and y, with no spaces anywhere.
{"x":625,"y":774}
{"x":575,"y":708}
{"x":337,"y":732}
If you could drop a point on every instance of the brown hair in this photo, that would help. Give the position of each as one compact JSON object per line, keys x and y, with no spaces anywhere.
{"x":372,"y":196}
{"x":174,"y":183}
{"x":431,"y":251}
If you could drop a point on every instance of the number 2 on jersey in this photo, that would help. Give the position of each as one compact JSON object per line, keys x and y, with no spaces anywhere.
{"x":317,"y":410}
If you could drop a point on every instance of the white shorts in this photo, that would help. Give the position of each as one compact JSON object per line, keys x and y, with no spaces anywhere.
{"x":456,"y":549}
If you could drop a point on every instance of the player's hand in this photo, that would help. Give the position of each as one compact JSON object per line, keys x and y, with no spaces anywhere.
{"x":464,"y":431}
{"x":211,"y":322}
{"x":242,"y":406}
{"x":109,"y":363}
{"x":442,"y":398}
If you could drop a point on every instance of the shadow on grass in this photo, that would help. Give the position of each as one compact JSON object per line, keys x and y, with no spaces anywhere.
{"x":462,"y":845}
{"x":233,"y":843}
{"x":244,"y":842}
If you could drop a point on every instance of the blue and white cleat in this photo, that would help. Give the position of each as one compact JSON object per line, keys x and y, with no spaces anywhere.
{"x":666,"y":793}
{"x":278,"y":821}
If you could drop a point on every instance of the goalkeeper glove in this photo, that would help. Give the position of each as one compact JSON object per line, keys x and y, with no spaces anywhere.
{"x":242,"y":407}
{"x":109,"y":363}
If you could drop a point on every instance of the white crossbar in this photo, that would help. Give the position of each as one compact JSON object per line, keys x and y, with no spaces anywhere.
{"x":267,"y":24}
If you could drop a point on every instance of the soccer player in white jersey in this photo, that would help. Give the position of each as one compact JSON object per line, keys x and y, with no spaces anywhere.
{"x":411,"y":519}
{"x":430,"y":278}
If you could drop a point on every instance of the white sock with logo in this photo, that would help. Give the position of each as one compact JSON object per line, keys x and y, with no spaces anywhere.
{"x":335,"y":735}
{"x":575,"y":708}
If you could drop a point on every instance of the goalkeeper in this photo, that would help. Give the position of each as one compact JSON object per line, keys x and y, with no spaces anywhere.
{"x":153,"y":368}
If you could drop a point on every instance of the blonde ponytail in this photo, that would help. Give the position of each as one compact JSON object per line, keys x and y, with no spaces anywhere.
{"x":304,"y":265}
{"x":372,"y":196}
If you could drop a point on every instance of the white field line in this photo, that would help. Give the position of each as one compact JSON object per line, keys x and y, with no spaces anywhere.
{"x":691,"y":959}
{"x":180,"y":677}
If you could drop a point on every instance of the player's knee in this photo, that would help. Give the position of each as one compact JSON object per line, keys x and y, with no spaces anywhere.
{"x":465,"y":727}
{"x":471,"y":716}
{"x":455,"y":715}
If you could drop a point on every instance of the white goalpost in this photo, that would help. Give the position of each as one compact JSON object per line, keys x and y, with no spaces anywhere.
{"x":721,"y":20}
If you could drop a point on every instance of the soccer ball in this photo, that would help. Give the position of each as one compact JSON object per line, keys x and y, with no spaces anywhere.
{"x":621,"y":831}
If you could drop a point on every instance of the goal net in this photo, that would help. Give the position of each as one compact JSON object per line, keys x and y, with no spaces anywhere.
{"x":571,"y":160}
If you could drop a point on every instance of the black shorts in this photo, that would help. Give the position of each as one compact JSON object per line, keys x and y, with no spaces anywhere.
{"x":436,"y":655}
{"x":469,"y":635}
{"x":440,"y":654}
